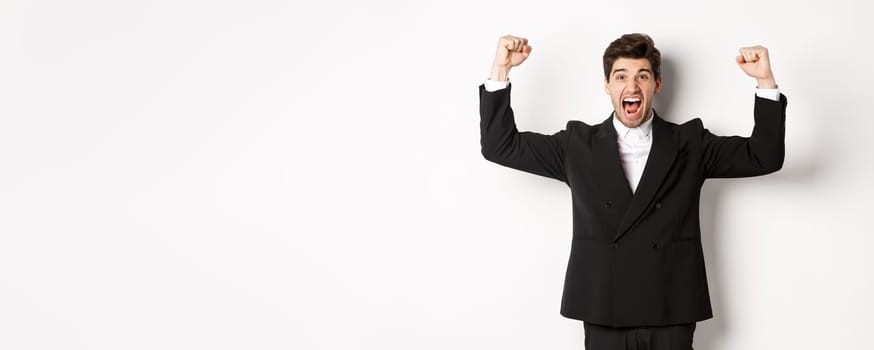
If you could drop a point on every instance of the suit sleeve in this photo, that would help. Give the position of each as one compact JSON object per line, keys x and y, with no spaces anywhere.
{"x":527,"y":151}
{"x":761,"y":153}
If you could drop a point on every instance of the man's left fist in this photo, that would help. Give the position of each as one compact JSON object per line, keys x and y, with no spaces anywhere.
{"x":754,"y":61}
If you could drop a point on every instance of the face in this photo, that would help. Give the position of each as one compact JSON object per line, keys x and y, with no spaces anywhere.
{"x":631,"y":87}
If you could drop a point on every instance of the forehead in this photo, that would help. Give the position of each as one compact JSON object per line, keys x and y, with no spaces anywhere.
{"x":632,"y":65}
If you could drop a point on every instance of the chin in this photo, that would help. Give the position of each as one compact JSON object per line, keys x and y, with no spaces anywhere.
{"x":630,"y":123}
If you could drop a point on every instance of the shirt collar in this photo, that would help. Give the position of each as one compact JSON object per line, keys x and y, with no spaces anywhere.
{"x":642,"y":130}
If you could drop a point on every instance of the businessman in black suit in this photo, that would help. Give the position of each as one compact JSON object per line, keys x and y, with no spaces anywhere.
{"x":635,"y":275}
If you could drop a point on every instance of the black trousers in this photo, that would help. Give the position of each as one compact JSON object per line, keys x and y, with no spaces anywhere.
{"x":674,"y":337}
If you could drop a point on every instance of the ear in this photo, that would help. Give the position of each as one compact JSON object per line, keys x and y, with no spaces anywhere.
{"x":606,"y":85}
{"x":658,"y":85}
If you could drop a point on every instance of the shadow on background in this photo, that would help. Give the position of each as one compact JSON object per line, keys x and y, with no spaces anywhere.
{"x":664,"y":100}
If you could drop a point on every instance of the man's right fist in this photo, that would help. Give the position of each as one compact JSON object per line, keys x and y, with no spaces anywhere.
{"x":511,"y":51}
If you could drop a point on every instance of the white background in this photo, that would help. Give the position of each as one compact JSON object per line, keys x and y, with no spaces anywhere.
{"x":307,"y":175}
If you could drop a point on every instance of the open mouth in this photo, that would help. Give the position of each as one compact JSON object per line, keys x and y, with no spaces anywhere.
{"x":631,"y":106}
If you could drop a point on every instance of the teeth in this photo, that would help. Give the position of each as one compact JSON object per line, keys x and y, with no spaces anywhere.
{"x":631,"y":99}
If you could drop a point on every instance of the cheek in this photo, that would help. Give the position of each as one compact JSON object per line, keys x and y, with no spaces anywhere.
{"x":652,"y":91}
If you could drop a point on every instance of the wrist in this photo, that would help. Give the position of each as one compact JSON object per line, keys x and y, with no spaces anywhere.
{"x":766,"y":83}
{"x":500,"y":73}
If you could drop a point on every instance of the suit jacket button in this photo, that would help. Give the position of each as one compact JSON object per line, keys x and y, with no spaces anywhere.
{"x":608,"y":204}
{"x":659,"y":205}
{"x":655,"y":246}
{"x":614,"y":245}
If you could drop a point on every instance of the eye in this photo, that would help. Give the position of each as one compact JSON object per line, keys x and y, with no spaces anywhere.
{"x":644,"y":77}
{"x":620,"y":77}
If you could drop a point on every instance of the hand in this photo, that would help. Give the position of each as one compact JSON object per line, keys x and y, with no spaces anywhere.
{"x":511,"y":52}
{"x":754,"y":61}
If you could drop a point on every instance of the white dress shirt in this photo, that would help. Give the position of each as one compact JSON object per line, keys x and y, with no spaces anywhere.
{"x":634,"y":143}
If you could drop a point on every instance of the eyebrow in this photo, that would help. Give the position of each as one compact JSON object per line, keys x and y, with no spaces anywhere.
{"x":625,"y":70}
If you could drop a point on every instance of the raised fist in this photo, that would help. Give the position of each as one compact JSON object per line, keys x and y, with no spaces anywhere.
{"x":511,"y":51}
{"x":754,"y":61}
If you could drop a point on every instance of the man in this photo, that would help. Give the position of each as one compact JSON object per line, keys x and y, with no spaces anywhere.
{"x":635,"y":275}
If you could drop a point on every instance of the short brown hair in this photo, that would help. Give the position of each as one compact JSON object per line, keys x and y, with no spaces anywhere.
{"x":636,"y":45}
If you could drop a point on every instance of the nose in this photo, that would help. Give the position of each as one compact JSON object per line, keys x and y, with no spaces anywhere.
{"x":631,"y":85}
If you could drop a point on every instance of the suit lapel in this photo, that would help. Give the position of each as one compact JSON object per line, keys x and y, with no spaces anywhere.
{"x":607,"y":169}
{"x":661,"y":157}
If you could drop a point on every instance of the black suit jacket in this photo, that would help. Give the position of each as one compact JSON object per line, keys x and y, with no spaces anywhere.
{"x":636,"y":259}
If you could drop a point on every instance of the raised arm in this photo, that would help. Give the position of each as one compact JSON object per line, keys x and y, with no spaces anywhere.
{"x":764,"y":150}
{"x":501,"y":141}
